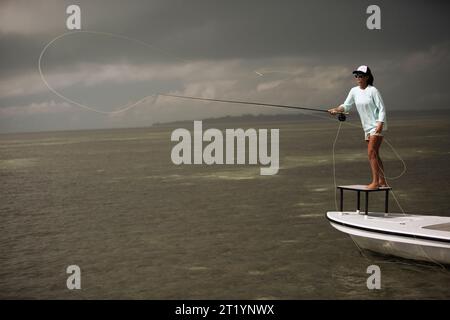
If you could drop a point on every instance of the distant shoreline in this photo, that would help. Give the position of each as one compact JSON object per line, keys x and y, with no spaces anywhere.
{"x":300,"y":117}
{"x":260,"y":118}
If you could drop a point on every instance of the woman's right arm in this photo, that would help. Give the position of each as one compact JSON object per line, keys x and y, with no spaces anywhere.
{"x":346,"y":106}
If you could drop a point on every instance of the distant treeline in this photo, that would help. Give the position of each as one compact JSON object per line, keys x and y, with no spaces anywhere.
{"x":300,"y":116}
{"x":245,"y":119}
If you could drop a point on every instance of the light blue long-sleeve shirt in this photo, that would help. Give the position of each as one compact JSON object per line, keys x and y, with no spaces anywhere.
{"x":370,"y":107}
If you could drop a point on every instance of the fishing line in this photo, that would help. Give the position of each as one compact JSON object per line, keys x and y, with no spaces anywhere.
{"x":397,"y":155}
{"x":333,"y":148}
{"x":127,"y":107}
{"x":361,"y":251}
{"x":334,"y":164}
{"x":122,"y":108}
{"x":404,"y":213}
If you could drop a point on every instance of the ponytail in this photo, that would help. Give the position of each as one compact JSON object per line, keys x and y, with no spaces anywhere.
{"x":371,"y":78}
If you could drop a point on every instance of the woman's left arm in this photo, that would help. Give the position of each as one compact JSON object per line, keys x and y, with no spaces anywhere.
{"x":381,"y":110}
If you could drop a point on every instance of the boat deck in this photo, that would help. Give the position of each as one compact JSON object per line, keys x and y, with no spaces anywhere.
{"x":432,"y":227}
{"x":440,"y":227}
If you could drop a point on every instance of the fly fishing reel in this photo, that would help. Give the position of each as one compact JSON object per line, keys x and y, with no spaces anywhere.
{"x":341,"y":117}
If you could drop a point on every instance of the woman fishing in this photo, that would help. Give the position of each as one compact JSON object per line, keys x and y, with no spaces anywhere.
{"x":371,"y":110}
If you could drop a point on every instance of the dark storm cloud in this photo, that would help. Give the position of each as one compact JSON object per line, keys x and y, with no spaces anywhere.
{"x":246,"y":29}
{"x":319,"y":36}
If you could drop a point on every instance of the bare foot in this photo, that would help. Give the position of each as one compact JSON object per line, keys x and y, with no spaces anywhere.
{"x":382,"y":184}
{"x":372,"y":186}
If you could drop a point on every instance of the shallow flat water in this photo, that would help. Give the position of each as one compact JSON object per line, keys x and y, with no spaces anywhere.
{"x":112,"y":202}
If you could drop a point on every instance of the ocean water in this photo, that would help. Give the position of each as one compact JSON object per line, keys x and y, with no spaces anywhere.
{"x":140,"y":227}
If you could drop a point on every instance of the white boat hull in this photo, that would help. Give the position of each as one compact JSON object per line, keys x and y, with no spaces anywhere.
{"x":405,"y":236}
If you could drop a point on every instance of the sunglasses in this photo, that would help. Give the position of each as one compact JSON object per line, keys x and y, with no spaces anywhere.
{"x":360,"y":75}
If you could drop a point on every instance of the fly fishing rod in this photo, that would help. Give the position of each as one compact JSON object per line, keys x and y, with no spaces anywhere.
{"x":341,"y":115}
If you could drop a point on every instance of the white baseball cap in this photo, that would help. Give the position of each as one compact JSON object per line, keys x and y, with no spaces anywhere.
{"x":362,"y":69}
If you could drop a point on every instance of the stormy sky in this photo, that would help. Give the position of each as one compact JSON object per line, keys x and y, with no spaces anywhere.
{"x":286,"y":52}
